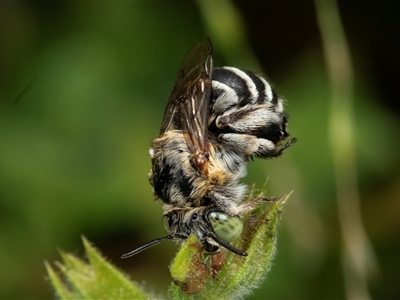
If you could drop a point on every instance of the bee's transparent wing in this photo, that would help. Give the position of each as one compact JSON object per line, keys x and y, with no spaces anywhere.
{"x":188,"y":104}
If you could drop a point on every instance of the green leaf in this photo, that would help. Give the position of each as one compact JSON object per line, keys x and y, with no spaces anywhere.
{"x":97,"y":279}
{"x":195,"y":275}
{"x":238,"y":276}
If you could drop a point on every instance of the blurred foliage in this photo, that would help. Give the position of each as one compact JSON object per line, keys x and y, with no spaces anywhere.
{"x":82,"y":91}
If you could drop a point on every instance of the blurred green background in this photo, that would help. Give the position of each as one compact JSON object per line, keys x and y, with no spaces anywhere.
{"x":82,"y":92}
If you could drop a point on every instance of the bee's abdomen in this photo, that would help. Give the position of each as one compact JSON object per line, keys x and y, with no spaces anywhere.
{"x":243,"y":102}
{"x":243,"y":87}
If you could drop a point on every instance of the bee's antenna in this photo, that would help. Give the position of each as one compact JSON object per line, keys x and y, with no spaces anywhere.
{"x":147,"y":246}
{"x":226,"y":245}
{"x":151,"y":244}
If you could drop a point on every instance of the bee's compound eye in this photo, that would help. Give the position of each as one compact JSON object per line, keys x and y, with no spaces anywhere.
{"x":226,"y":227}
{"x":165,"y":222}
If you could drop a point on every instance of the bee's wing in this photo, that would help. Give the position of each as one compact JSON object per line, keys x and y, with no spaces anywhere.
{"x":188,"y":104}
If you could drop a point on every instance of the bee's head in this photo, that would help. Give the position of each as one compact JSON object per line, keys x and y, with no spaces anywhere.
{"x":224,"y":229}
{"x":213,"y":228}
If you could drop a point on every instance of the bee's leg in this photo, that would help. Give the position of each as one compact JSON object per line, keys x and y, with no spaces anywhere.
{"x":228,"y":202}
{"x":228,"y":198}
{"x":268,"y":149}
{"x":251,"y":145}
{"x":250,"y":118}
{"x":242,"y":143}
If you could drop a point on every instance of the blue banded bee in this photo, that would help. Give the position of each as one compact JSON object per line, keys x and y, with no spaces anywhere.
{"x":215,"y":121}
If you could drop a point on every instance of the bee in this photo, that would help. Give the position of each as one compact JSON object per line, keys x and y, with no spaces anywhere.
{"x":215,"y":121}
